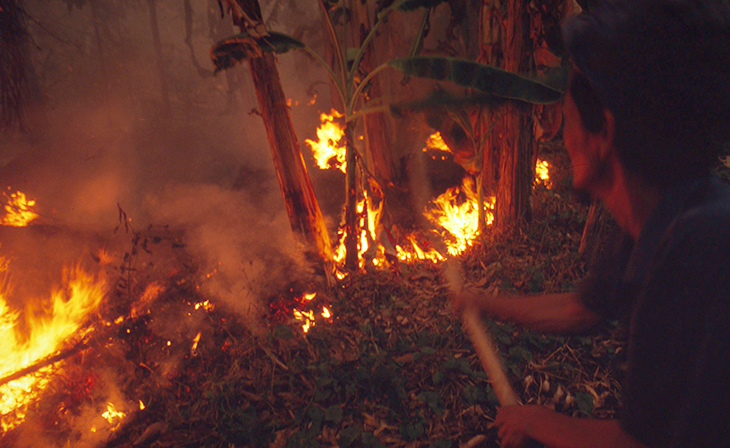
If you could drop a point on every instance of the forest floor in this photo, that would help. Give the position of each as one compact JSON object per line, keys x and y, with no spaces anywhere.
{"x":392,"y":367}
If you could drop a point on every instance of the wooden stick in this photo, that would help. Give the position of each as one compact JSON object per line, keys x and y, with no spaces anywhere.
{"x":487,"y":353}
{"x":480,"y":339}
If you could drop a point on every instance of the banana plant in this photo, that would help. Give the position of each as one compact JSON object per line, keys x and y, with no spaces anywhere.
{"x":492,"y":82}
{"x":251,"y":44}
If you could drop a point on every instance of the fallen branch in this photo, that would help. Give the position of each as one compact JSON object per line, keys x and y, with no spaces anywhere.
{"x":45,"y":362}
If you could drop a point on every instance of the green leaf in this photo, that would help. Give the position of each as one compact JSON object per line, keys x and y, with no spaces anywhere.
{"x":333,"y":414}
{"x":475,"y":395}
{"x":316,"y":414}
{"x":371,"y":441}
{"x":440,"y":443}
{"x":301,"y":440}
{"x":411,"y":431}
{"x":484,"y":78}
{"x":585,"y":402}
{"x":347,"y":436}
{"x":227,"y":52}
{"x":410,"y":5}
{"x":282,"y":331}
{"x":433,"y":399}
{"x":520,"y":354}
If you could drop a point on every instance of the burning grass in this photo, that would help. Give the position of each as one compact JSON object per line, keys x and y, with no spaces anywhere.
{"x":389,"y":367}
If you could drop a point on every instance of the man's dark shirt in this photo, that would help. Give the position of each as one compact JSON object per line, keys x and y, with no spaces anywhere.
{"x":672,"y":287}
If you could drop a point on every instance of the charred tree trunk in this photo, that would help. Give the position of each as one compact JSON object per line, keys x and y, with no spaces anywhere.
{"x":301,"y":204}
{"x":158,"y":55}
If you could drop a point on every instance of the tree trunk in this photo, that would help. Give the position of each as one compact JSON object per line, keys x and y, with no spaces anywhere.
{"x":13,"y":64}
{"x":158,"y":55}
{"x":512,"y":143}
{"x":301,"y":204}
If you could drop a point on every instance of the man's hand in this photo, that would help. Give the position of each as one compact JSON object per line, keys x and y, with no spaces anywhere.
{"x":517,"y":423}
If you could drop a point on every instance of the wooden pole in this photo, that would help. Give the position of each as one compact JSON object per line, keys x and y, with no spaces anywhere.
{"x":484,"y":346}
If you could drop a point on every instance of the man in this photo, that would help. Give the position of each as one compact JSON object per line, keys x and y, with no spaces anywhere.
{"x":647,"y":108}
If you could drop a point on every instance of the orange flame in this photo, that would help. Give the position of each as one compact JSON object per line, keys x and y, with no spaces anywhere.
{"x":435,"y":141}
{"x":417,"y":253}
{"x":368,"y":223}
{"x":327,"y":151}
{"x":459,"y":217}
{"x":18,"y":210}
{"x":542,"y":170}
{"x":69,"y":307}
{"x":307,"y":318}
{"x":111,"y":413}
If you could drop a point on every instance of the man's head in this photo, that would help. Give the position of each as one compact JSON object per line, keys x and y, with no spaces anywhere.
{"x":662,"y":69}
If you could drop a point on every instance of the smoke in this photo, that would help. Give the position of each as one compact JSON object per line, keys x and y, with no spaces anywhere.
{"x":100,"y":139}
{"x":248,"y":250}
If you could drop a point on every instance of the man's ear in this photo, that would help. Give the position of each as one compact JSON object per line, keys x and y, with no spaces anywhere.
{"x":607,"y":135}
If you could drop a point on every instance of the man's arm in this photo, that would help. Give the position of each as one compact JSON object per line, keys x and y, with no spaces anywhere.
{"x":519,"y":423}
{"x":554,"y":313}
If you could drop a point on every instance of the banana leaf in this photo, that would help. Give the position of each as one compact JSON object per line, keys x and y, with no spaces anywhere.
{"x":485,"y":78}
{"x":410,"y":5}
{"x":227,"y":52}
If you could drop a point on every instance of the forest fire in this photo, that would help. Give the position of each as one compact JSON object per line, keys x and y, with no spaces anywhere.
{"x":48,"y":328}
{"x":18,"y":211}
{"x":455,"y":211}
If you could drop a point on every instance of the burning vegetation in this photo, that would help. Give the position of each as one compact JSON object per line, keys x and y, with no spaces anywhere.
{"x":161,"y":336}
{"x":375,"y":362}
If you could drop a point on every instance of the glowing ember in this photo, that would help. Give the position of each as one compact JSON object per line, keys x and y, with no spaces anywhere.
{"x":542,"y":170}
{"x":328,"y":153}
{"x":459,"y":216}
{"x":18,"y":210}
{"x":69,"y":307}
{"x":207,"y":306}
{"x":141,"y":405}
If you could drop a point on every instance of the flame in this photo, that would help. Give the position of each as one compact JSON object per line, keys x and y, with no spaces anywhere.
{"x":542,"y":170}
{"x":141,"y":405}
{"x":327,"y":151}
{"x":111,"y":414}
{"x":69,"y":307}
{"x":18,"y":213}
{"x":196,"y":339}
{"x":417,"y":253}
{"x":459,"y":217}
{"x":307,"y":318}
{"x":435,"y":141}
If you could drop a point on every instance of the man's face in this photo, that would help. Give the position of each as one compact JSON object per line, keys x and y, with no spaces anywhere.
{"x":582,"y":147}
